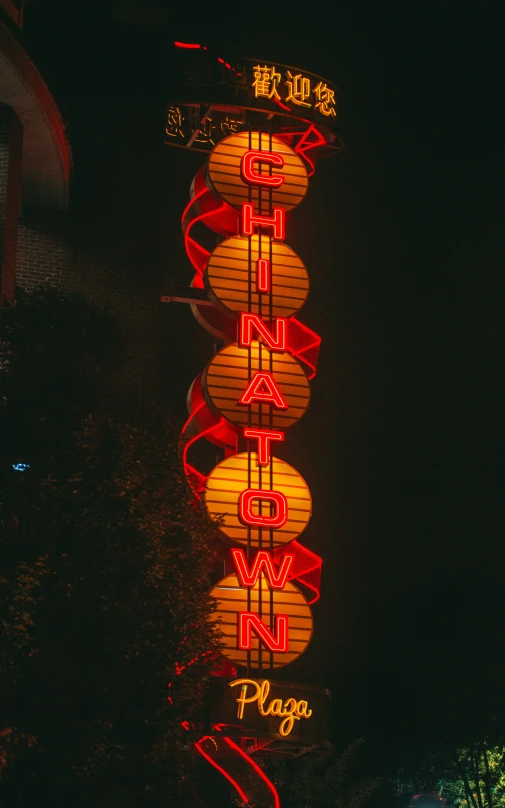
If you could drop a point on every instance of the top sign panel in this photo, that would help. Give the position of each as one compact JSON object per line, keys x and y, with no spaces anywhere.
{"x":198,"y":76}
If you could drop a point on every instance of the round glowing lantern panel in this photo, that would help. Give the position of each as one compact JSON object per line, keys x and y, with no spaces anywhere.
{"x":232,"y":600}
{"x":225,"y":174}
{"x":227,"y":378}
{"x":240,"y":472}
{"x":231,"y":277}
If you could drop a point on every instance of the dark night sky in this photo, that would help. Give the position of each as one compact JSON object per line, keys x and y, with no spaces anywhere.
{"x":404,"y":241}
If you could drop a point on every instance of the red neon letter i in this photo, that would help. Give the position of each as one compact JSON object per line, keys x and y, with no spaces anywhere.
{"x":263,"y":275}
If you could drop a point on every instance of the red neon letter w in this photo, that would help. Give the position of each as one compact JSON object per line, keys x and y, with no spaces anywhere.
{"x":263,"y":561}
{"x":248,"y":622}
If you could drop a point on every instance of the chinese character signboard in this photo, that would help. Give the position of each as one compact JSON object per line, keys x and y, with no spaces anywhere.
{"x":205,"y":85}
{"x":251,"y":288}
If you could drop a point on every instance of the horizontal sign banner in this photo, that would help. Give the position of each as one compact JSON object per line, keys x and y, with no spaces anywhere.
{"x":266,"y":708}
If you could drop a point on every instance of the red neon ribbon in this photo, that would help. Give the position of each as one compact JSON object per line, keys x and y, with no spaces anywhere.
{"x":235,"y":764}
{"x":302,"y":342}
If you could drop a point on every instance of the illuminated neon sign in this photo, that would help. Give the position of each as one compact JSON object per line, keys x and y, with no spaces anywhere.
{"x":252,"y":391}
{"x":248,"y":291}
{"x":289,"y":710}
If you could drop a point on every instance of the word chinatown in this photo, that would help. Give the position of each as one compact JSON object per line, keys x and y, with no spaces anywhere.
{"x":249,"y":394}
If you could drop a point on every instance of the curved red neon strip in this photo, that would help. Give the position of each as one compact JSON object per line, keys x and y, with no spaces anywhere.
{"x":303,"y":145}
{"x":257,"y":769}
{"x":220,"y":769}
{"x":186,"y":45}
{"x":308,"y":346}
{"x":188,"y":442}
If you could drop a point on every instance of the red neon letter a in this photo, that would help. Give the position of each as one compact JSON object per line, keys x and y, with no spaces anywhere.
{"x":249,"y":321}
{"x":248,"y":622}
{"x":263,"y":388}
{"x":263,"y":561}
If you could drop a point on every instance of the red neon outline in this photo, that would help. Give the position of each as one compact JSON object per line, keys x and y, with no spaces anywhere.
{"x":248,"y":219}
{"x":306,"y":569}
{"x":304,"y":145}
{"x":220,"y":768}
{"x":258,"y":770}
{"x":246,"y":515}
{"x":263,"y":560}
{"x":248,"y":321}
{"x":270,"y":396}
{"x":186,"y":45}
{"x":189,"y":470}
{"x":263,"y":275}
{"x":263,"y":436}
{"x":179,"y":668}
{"x":280,"y":104}
{"x":310,"y":342}
{"x":249,"y":622}
{"x":250,"y":176}
{"x":187,"y":227}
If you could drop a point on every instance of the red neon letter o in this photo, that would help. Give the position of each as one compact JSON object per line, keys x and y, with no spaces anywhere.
{"x":249,"y":518}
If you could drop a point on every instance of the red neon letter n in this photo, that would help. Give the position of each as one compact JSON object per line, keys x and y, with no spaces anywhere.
{"x":249,"y":321}
{"x":248,"y":622}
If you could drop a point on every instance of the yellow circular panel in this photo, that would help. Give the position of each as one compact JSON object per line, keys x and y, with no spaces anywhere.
{"x":232,"y":476}
{"x":232,"y":598}
{"x":232,"y":282}
{"x":227,"y":376}
{"x":223,"y":171}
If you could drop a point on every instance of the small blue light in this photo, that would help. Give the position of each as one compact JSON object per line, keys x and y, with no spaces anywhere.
{"x":20,"y":466}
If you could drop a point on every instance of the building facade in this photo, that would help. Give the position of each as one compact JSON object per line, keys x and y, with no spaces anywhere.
{"x":61,"y":225}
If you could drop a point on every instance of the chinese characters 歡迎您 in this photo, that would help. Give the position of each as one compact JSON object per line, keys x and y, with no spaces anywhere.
{"x":268,"y":81}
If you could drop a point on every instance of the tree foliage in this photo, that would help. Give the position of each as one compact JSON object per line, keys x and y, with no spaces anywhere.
{"x":315,"y":781}
{"x":103,"y":594}
{"x":475,"y":777}
{"x":466,"y":776}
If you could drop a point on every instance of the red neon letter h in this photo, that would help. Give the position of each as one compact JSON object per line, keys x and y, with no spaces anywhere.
{"x":277,"y":221}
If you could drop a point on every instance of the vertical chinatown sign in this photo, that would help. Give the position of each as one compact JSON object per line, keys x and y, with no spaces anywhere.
{"x":245,"y":401}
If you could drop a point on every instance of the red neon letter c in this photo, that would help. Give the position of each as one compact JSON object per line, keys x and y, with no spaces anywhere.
{"x":247,"y":516}
{"x":251,"y":176}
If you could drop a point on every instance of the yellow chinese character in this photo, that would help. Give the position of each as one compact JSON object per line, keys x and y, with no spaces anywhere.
{"x":299,"y":89}
{"x":205,"y":132}
{"x":174,"y":122}
{"x":230,"y":125}
{"x":265,"y":82}
{"x":325,"y":99}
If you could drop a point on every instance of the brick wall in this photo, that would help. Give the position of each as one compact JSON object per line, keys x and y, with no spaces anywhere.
{"x":49,"y":254}
{"x":11,"y":141}
{"x":132,"y":298}
{"x":44,"y":251}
